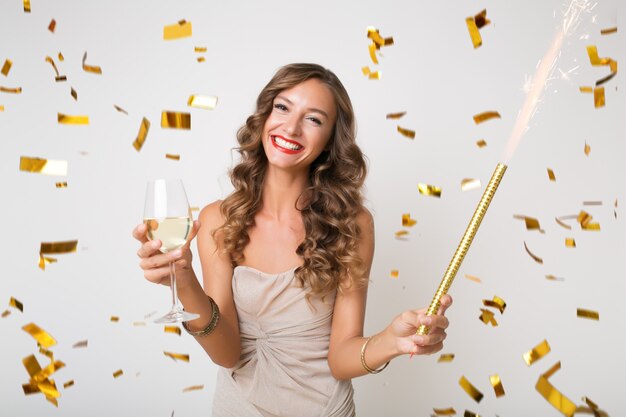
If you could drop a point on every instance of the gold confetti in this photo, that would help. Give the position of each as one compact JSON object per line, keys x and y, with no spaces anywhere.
{"x":584,"y":219}
{"x":1,"y":108}
{"x":39,"y":381}
{"x":52,"y":25}
{"x":481,"y":143}
{"x":594,"y":58}
{"x":45,"y":260}
{"x":58,"y":77}
{"x":570,"y":242}
{"x":40,"y":335}
{"x":172,"y":329}
{"x":531,"y":222}
{"x":175,"y":157}
{"x":26,"y":6}
{"x":202,"y":102}
{"x":554,"y":396}
{"x":14,"y":302}
{"x":139,"y":323}
{"x":475,"y":23}
{"x":200,"y":49}
{"x":401,"y":233}
{"x":16,"y":90}
{"x":598,"y":97}
{"x":536,"y":353}
{"x":114,"y":319}
{"x":407,"y":221}
{"x":73,"y":93}
{"x":587,"y":314}
{"x":473,"y":278}
{"x":445,"y":411}
{"x":429,"y":190}
{"x":372,"y":49}
{"x":61,"y":57}
{"x":72,"y":120}
{"x":6,"y":67}
{"x":585,"y":89}
{"x":193,"y":388}
{"x":142,"y":135}
{"x":118,"y":373}
{"x":58,"y":247}
{"x":553,"y":278}
{"x":446,"y":357}
{"x":469,"y":184}
{"x":406,"y":132}
{"x":497,"y":385}
{"x":182,"y":29}
{"x":606,"y":79}
{"x":177,"y":356}
{"x":395,"y":115}
{"x":608,"y":31}
{"x":176,"y":120}
{"x":81,"y":344}
{"x":394,"y":273}
{"x":194,"y":208}
{"x":371,"y":75}
{"x":551,"y":175}
{"x":90,"y":68}
{"x":484,"y":116}
{"x":532,"y":255}
{"x":68,"y":384}
{"x":468,"y":413}
{"x":121,"y":110}
{"x":470,"y":389}
{"x":200,"y":59}
{"x":487,"y":317}
{"x":374,"y":35}
{"x":5,"y":313}
{"x":497,"y":302}
{"x":592,"y":203}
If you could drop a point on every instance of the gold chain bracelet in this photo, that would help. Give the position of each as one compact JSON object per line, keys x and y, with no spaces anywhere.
{"x":367,"y":368}
{"x":215,"y":317}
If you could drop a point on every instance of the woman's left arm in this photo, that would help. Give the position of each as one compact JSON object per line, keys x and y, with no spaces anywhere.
{"x":398,"y":338}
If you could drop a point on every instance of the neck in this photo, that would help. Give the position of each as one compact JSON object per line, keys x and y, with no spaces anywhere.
{"x":281,"y":190}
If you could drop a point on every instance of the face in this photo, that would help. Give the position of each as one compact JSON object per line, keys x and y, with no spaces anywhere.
{"x":300,"y":125}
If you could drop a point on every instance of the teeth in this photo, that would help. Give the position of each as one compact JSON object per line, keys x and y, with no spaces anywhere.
{"x":284,"y":144}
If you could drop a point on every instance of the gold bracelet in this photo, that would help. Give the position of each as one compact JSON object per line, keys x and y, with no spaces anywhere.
{"x":215,"y":317}
{"x":367,"y":368}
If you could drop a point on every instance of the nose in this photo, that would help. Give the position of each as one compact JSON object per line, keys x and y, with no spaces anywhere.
{"x":292,"y":125}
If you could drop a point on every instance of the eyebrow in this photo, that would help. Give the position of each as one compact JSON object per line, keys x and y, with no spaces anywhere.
{"x":313,"y":109}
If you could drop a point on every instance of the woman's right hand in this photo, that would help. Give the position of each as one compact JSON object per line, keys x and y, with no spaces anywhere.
{"x":155,"y":264}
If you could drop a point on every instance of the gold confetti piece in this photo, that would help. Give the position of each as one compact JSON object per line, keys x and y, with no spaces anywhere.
{"x":372,"y":48}
{"x":45,"y":260}
{"x":72,"y":120}
{"x":74,"y":94}
{"x":429,"y":190}
{"x":374,"y":35}
{"x":81,"y":344}
{"x":481,"y":19}
{"x":592,"y":203}
{"x":68,"y":384}
{"x":121,"y":110}
{"x":473,"y":278}
{"x":606,"y":79}
{"x":182,"y":29}
{"x":40,"y":335}
{"x":6,"y":67}
{"x":1,"y":108}
{"x":61,"y":57}
{"x":193,"y":388}
{"x":177,"y":356}
{"x":16,"y":90}
{"x":469,"y":184}
{"x":551,"y":175}
{"x":61,"y":184}
{"x":554,"y":396}
{"x":175,"y":120}
{"x":587,"y":314}
{"x":497,"y":302}
{"x":598,"y":97}
{"x":142,"y":135}
{"x":394,"y":273}
{"x":139,"y":323}
{"x":407,"y":221}
{"x":401,"y":233}
{"x":497,"y":385}
{"x":536,"y":353}
{"x":13,"y":302}
{"x":584,"y":218}
{"x":477,"y":40}
{"x":470,"y":389}
{"x":531,"y":222}
{"x":194,"y":208}
{"x":5,"y":313}
{"x":58,"y":247}
{"x":200,"y":59}
{"x":118,"y":373}
{"x":90,"y":68}
{"x":487,"y":317}
{"x":570,"y":242}
{"x":395,"y":115}
{"x":172,"y":329}
{"x":371,"y":75}
{"x":608,"y":31}
{"x":26,"y":6}
{"x":202,"y":102}
{"x":406,"y":132}
{"x":484,"y":116}
{"x":562,"y":223}
{"x":535,"y":257}
{"x":174,"y":157}
{"x":200,"y":49}
{"x":554,"y":278}
{"x":114,"y":319}
{"x":445,"y":411}
{"x":446,"y":357}
{"x":52,"y":25}
{"x":594,"y":58}
{"x":585,"y":89}
{"x":469,"y":413}
{"x":481,"y":143}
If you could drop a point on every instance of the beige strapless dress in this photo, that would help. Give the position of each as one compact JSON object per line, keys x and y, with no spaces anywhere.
{"x":283,"y":370}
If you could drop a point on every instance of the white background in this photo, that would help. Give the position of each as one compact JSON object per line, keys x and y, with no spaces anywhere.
{"x":433,"y":73}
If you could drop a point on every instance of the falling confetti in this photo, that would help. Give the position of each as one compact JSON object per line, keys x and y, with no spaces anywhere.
{"x":118,"y":373}
{"x":68,"y":384}
{"x":551,"y":175}
{"x":496,"y":383}
{"x":114,"y":319}
{"x":6,"y":67}
{"x":444,"y":411}
{"x":40,"y":335}
{"x":182,"y":29}
{"x":72,"y":120}
{"x":488,"y":115}
{"x":142,"y":135}
{"x":395,"y":116}
{"x":470,"y":389}
{"x":121,"y":110}
{"x":496,"y":302}
{"x":446,"y":357}
{"x":536,"y":353}
{"x":81,"y":344}
{"x":177,"y":356}
{"x":474,"y":24}
{"x":608,"y":31}
{"x":429,"y":190}
{"x":407,"y":221}
{"x":406,"y":132}
{"x":394,"y":274}
{"x":193,"y":388}
{"x":570,"y":242}
{"x":372,"y":75}
{"x":532,"y":255}
{"x":552,"y":395}
{"x":172,"y":156}
{"x":90,"y":68}
{"x":468,"y":184}
{"x":481,"y":143}
{"x":13,"y":302}
{"x":473,"y":278}
{"x":202,"y":102}
{"x":16,"y":90}
{"x":487,"y":317}
{"x":52,"y":25}
{"x":172,"y":329}
{"x":176,"y":120}
{"x":587,"y":314}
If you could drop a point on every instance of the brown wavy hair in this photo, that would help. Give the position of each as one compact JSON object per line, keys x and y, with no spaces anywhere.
{"x":331,"y":202}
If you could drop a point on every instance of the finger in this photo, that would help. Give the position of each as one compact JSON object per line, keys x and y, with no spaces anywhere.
{"x":149,"y":248}
{"x":154,"y":261}
{"x":158,"y":275}
{"x":430,"y":339}
{"x":141,"y":233}
{"x":446,"y":302}
{"x":428,"y":350}
{"x":435,"y":322}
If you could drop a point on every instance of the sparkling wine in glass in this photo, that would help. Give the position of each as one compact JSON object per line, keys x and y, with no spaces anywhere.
{"x":168,"y":218}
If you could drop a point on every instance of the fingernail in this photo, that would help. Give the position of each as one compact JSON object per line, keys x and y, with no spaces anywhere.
{"x":177,"y":253}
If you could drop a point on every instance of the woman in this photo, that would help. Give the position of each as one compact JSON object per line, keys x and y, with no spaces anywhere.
{"x":286,"y":259}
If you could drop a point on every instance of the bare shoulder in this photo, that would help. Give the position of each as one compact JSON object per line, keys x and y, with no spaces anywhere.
{"x":365,"y":221}
{"x":211,"y":216}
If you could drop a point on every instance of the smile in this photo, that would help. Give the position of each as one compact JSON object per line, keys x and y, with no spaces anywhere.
{"x":286,"y":145}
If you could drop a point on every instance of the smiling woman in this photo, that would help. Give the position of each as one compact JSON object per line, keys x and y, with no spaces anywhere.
{"x":286,"y":260}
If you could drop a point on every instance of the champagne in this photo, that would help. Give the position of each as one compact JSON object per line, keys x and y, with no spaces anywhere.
{"x":171,"y":231}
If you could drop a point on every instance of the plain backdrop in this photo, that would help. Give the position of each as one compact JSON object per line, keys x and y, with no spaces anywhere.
{"x":434,"y":74}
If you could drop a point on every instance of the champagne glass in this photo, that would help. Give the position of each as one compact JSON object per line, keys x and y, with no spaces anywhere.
{"x":168,"y":218}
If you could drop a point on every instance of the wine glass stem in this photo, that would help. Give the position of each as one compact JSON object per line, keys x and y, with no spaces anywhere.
{"x":175,"y":302}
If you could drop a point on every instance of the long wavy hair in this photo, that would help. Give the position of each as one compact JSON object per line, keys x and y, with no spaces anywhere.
{"x":329,"y":205}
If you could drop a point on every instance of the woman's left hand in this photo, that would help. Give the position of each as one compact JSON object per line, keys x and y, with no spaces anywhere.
{"x":405,"y":325}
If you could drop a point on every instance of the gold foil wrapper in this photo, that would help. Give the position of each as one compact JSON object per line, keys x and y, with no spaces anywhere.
{"x":496,"y":383}
{"x":587,"y":314}
{"x":406,"y":132}
{"x":172,"y":329}
{"x":193,"y":388}
{"x":395,"y":116}
{"x":536,"y":353}
{"x":6,"y":67}
{"x":68,"y":246}
{"x":15,"y":303}
{"x":182,"y":29}
{"x":142,"y":135}
{"x":429,"y":190}
{"x":175,"y":120}
{"x":484,"y":116}
{"x":177,"y":356}
{"x":446,"y":357}
{"x":445,"y":411}
{"x":532,"y":255}
{"x":90,"y":68}
{"x":202,"y":102}
{"x":554,"y":396}
{"x":407,"y":221}
{"x":551,"y":175}
{"x":40,"y":335}
{"x":118,"y":373}
{"x":470,"y":389}
{"x":72,"y":120}
{"x":468,"y":184}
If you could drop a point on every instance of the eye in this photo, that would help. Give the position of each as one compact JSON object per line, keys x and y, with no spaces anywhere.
{"x":280,"y":106}
{"x":315,"y":120}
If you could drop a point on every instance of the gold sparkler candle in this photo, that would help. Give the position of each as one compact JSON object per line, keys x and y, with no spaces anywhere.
{"x":466,"y":241}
